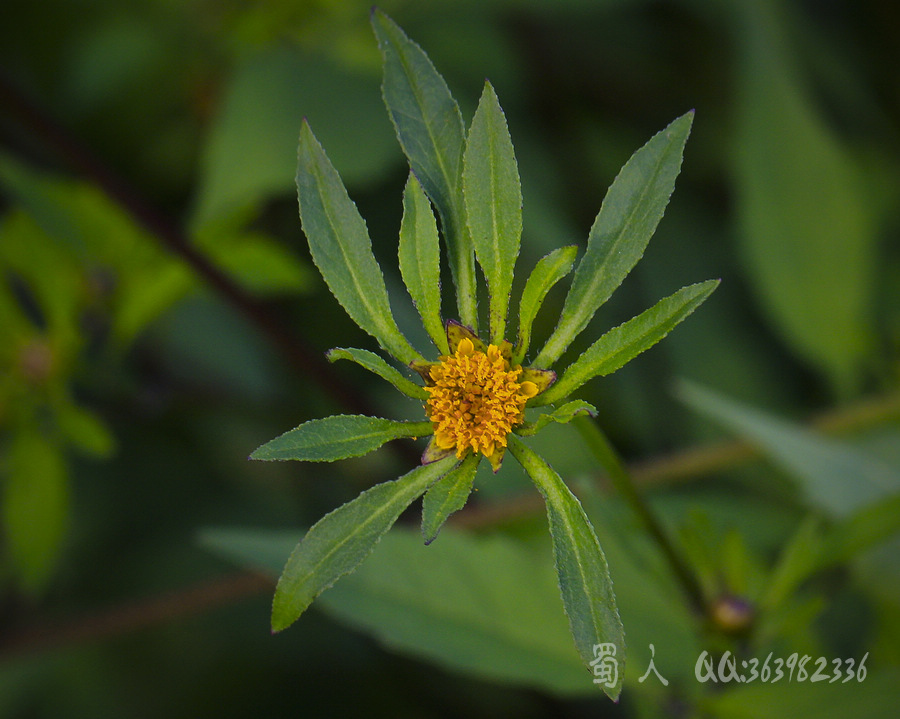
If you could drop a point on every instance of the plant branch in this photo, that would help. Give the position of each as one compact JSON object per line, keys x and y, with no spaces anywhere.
{"x":134,"y":616}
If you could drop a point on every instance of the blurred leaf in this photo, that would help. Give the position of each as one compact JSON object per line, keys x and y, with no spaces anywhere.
{"x":251,"y":147}
{"x":493,"y":197}
{"x":484,"y":605}
{"x":430,"y":129}
{"x":35,"y":508}
{"x":374,"y":363}
{"x":338,"y":437}
{"x":628,"y":217}
{"x":84,"y":429}
{"x":340,"y":247}
{"x":833,"y":475}
{"x":260,"y":264}
{"x":873,"y":698}
{"x":419,"y":256}
{"x":625,"y":342}
{"x":583,"y":572}
{"x":338,"y":542}
{"x":446,"y":496}
{"x":549,"y":270}
{"x":805,"y":225}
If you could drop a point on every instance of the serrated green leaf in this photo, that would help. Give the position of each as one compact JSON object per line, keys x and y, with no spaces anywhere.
{"x":584,"y":579}
{"x":549,"y":270}
{"x":420,"y":257}
{"x":338,"y":437}
{"x":340,"y":247}
{"x":446,"y":496}
{"x":833,"y":476}
{"x":493,"y":198}
{"x":376,"y":364}
{"x":628,"y":217}
{"x":338,"y":542}
{"x":561,"y":415}
{"x":35,"y":508}
{"x":623,"y":343}
{"x":430,"y":129}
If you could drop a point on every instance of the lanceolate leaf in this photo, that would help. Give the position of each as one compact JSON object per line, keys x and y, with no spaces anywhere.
{"x":374,"y":363}
{"x":562,"y":415}
{"x":338,"y":542}
{"x":430,"y":129}
{"x":631,"y":210}
{"x":623,"y":343}
{"x":420,"y":256}
{"x":446,"y":496}
{"x":580,"y":564}
{"x":493,"y":204}
{"x":338,"y":437}
{"x":547,"y":272}
{"x":340,"y":247}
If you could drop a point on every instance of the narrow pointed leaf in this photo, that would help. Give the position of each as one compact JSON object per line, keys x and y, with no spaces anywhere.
{"x":493,"y":204}
{"x":628,"y":217}
{"x":376,"y":364}
{"x":446,"y":496}
{"x":420,"y":257}
{"x":338,"y":542}
{"x":338,"y":437}
{"x":549,"y":270}
{"x":584,"y":579}
{"x":561,"y":415}
{"x":430,"y":129}
{"x":623,"y":343}
{"x":340,"y":247}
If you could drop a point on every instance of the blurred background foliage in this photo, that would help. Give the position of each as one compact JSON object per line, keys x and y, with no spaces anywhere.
{"x":159,"y":319}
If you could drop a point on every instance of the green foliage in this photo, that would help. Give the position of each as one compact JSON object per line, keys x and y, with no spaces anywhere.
{"x":419,"y":259}
{"x":549,"y":270}
{"x":583,"y":572}
{"x":338,"y":437}
{"x":446,"y":496}
{"x":622,"y":344}
{"x":493,"y":204}
{"x":376,"y":364}
{"x":430,"y":129}
{"x":341,"y":249}
{"x":338,"y":542}
{"x":631,"y":210}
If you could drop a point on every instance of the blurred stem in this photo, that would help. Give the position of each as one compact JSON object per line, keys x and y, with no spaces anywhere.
{"x":607,"y":456}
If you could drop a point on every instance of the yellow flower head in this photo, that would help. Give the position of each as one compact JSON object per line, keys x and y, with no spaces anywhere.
{"x":476,"y":398}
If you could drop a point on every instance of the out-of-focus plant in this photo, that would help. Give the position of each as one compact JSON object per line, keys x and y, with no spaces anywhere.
{"x":476,"y":393}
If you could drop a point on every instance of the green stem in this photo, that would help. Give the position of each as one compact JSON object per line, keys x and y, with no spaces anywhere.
{"x":607,"y":456}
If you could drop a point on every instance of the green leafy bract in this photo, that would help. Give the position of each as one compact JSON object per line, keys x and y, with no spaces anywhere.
{"x":420,"y":255}
{"x":493,"y":204}
{"x":562,"y":415}
{"x":549,"y":270}
{"x":338,"y":542}
{"x":338,"y":437}
{"x":584,"y":579}
{"x":630,"y":212}
{"x":446,"y":496}
{"x":340,"y":247}
{"x":623,"y":343}
{"x":376,"y":364}
{"x":430,"y":129}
